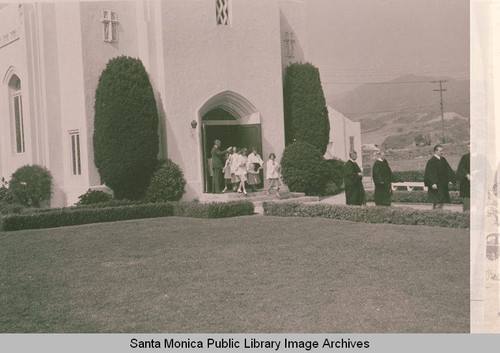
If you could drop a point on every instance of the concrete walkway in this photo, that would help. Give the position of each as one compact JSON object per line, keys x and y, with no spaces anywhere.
{"x":340,"y":200}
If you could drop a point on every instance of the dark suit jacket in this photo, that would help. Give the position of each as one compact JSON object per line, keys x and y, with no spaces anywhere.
{"x":217,"y":158}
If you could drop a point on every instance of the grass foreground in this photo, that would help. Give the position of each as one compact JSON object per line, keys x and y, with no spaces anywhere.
{"x":246,"y":274}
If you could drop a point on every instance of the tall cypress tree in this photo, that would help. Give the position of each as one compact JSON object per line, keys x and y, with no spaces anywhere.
{"x":306,"y":115}
{"x":125,"y":128}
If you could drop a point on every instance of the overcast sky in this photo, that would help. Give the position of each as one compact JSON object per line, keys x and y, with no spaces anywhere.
{"x":379,"y":40}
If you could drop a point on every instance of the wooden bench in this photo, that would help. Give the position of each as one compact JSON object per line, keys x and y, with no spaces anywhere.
{"x":409,"y":185}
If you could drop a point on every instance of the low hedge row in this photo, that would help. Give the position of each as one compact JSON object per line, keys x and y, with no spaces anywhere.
{"x":417,"y":196}
{"x":369,"y":214}
{"x":409,"y":175}
{"x":63,"y":217}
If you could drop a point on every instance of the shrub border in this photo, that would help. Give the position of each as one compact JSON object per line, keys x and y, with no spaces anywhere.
{"x":62,"y":217}
{"x":371,"y":214}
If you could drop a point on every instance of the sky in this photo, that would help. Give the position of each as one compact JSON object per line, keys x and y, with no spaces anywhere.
{"x":379,"y":40}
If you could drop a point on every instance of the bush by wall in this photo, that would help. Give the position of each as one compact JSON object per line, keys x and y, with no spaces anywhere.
{"x":94,"y":214}
{"x":93,"y":196}
{"x":304,"y":169}
{"x":335,"y":168}
{"x":414,"y":196}
{"x":31,"y":185}
{"x":167,"y":183}
{"x":409,"y":175}
{"x":306,"y":115}
{"x":369,"y":214}
{"x":125,"y":128}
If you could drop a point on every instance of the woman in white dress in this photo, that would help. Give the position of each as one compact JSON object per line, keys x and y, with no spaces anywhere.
{"x":241,"y":162}
{"x":255,"y":164}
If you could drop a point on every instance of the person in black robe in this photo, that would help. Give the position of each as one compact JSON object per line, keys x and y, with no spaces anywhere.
{"x":438,"y":174}
{"x":382,"y":178}
{"x":463,"y":177}
{"x":353,"y":181}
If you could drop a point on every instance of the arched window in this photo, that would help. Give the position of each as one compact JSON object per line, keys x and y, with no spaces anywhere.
{"x":16,"y":100}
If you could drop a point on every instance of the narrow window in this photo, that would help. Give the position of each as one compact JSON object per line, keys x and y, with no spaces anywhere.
{"x":222,"y":12}
{"x":76,"y":166}
{"x":351,"y":143}
{"x":17,"y":112}
{"x":110,"y":26}
{"x":289,"y":44}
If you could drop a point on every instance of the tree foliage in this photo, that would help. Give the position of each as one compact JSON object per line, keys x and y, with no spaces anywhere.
{"x":31,"y":185}
{"x":306,"y":115}
{"x":125,"y":128}
{"x":304,"y":169}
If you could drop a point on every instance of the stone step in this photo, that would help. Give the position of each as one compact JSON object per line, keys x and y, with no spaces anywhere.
{"x":252,"y":196}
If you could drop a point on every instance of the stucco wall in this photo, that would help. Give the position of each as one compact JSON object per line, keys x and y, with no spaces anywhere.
{"x":13,"y":60}
{"x":203,"y":59}
{"x":341,"y":128}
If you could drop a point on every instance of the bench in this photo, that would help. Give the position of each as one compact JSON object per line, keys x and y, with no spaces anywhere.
{"x":409,"y":185}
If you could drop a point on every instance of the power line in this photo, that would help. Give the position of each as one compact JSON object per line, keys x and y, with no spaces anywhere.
{"x":441,"y":90}
{"x":384,"y":83}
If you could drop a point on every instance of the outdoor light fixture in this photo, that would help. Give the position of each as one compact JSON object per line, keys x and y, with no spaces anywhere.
{"x":194,"y":124}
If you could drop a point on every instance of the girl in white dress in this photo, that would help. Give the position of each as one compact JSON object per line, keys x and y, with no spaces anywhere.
{"x":255,"y":164}
{"x":273,"y":173}
{"x":241,"y":162}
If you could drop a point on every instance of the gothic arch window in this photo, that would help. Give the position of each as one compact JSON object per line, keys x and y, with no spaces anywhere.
{"x":16,"y":104}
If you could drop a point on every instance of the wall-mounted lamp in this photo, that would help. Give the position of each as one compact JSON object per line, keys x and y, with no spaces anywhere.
{"x":194,"y":124}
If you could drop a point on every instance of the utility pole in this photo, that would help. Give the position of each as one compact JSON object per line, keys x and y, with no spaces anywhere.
{"x":441,"y":90}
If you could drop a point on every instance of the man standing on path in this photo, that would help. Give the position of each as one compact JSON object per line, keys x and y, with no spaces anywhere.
{"x":463,"y":177}
{"x":217,"y":165}
{"x":382,"y":178}
{"x":353,"y":181}
{"x":438,"y":174}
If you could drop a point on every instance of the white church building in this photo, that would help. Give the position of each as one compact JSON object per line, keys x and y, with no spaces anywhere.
{"x":216,"y":69}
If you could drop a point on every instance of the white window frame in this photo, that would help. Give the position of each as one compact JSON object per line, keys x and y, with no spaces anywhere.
{"x":110,"y":26}
{"x":75,"y":152}
{"x":16,"y":101}
{"x":223,"y":13}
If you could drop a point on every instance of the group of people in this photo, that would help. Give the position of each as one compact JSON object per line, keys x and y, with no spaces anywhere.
{"x":239,"y":168}
{"x":438,"y":176}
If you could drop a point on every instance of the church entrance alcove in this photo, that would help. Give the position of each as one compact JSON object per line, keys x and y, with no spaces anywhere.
{"x":234,"y":121}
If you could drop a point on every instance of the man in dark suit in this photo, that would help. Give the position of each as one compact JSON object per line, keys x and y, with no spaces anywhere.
{"x":382,"y":178}
{"x":438,"y":174}
{"x":353,"y":181}
{"x":217,"y":165}
{"x":463,"y":177}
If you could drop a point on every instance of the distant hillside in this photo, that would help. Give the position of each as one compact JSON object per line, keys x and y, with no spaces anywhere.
{"x":393,"y":114}
{"x":402,"y":96}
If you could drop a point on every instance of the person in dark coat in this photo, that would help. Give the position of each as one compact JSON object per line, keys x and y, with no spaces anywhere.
{"x":438,"y":174}
{"x":382,"y":178}
{"x":353,"y":181}
{"x":217,"y":165}
{"x":463,"y":177}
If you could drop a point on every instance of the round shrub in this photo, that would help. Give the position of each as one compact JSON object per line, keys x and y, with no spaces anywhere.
{"x":93,"y":196}
{"x":31,"y":185}
{"x":306,"y":115}
{"x":125,"y":128}
{"x":167,"y":183}
{"x":304,"y":169}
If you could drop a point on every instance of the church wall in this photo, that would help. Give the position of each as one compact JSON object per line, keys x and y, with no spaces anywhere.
{"x":13,"y":60}
{"x":95,"y":53}
{"x":203,"y":59}
{"x":294,"y":32}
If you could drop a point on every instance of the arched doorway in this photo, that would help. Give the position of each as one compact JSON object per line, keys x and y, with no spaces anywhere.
{"x":232,"y":119}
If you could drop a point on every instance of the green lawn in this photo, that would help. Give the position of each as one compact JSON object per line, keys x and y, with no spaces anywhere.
{"x":244,"y":274}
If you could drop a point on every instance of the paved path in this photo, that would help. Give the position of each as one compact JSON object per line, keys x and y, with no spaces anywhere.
{"x":492,"y":307}
{"x":340,"y":200}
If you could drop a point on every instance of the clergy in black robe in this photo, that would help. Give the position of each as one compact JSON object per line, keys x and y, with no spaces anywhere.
{"x":382,"y":178}
{"x":438,"y":174}
{"x":353,"y":182}
{"x":463,"y":177}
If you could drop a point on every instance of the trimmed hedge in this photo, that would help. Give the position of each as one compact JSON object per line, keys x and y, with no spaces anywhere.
{"x":93,"y":197}
{"x":418,"y":196}
{"x":167,"y":183}
{"x":390,"y":215}
{"x":69,"y":216}
{"x":409,"y":175}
